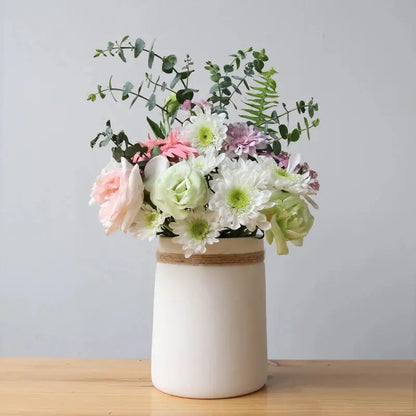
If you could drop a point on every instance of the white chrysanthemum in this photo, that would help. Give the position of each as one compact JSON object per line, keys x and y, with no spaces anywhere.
{"x":198,"y":229}
{"x":208,"y":162}
{"x":147,"y":223}
{"x":286,"y":179}
{"x":205,"y":130}
{"x":240,"y":193}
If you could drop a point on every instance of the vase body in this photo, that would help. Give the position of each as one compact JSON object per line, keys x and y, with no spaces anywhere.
{"x":209,"y":321}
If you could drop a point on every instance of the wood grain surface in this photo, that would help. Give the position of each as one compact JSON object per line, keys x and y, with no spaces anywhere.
{"x":95,"y":387}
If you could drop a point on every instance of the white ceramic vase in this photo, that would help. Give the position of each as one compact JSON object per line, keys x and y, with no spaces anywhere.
{"x":209,"y":320}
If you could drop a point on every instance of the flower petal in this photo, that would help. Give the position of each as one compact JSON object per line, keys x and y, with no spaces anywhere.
{"x":153,"y":169}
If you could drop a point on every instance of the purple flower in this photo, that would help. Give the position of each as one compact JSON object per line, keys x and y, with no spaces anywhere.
{"x":186,"y":105}
{"x":313,"y":174}
{"x":283,"y":159}
{"x":314,"y":183}
{"x":243,"y":140}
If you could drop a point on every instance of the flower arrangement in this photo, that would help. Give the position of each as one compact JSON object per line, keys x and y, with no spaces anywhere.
{"x":200,"y":177}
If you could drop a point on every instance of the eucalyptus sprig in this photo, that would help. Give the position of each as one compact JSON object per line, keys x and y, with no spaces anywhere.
{"x":122,"y":145}
{"x":168,"y":66}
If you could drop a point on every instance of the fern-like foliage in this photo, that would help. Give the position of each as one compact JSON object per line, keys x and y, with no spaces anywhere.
{"x":261,"y":99}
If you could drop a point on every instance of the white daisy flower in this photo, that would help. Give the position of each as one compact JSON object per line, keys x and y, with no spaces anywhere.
{"x":147,"y":223}
{"x":208,"y":162}
{"x":205,"y":130}
{"x":198,"y":229}
{"x":286,"y":179}
{"x":240,"y":193}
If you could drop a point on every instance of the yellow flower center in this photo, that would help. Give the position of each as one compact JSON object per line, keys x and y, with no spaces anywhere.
{"x":205,"y":136}
{"x":199,"y":229}
{"x":239,"y":199}
{"x":150,"y":219}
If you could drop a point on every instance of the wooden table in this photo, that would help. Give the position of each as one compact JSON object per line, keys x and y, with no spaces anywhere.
{"x":75,"y":387}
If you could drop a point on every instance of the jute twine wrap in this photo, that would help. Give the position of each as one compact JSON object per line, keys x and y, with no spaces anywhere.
{"x":240,"y":258}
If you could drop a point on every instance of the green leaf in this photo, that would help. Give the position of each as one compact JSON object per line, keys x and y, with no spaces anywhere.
{"x":137,"y":95}
{"x":121,"y":55}
{"x":260,"y":55}
{"x":155,"y":128}
{"x":168,"y":63}
{"x":236,"y":89}
{"x":315,"y":123}
{"x":119,"y":138}
{"x":226,"y":82}
{"x":258,"y":65}
{"x":251,"y":118}
{"x":93,"y":142}
{"x":99,"y":88}
{"x":117,"y":153}
{"x":311,"y":111}
{"x":155,"y":151}
{"x":228,"y":68}
{"x":294,"y":136}
{"x":132,"y":150}
{"x":150,"y":59}
{"x":110,"y":46}
{"x":183,"y":95}
{"x":215,"y":77}
{"x":151,"y":103}
{"x":162,"y":128}
{"x":253,"y":112}
{"x":283,"y":131}
{"x":175,"y":80}
{"x":99,"y":52}
{"x":138,"y":47}
{"x":124,"y":39}
{"x":185,"y":74}
{"x":277,"y":147}
{"x":127,"y":87}
{"x":92,"y":97}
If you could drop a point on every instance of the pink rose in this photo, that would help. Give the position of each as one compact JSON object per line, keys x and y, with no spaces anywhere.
{"x":119,"y":191}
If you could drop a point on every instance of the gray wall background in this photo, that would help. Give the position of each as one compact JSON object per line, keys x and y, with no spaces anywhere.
{"x":67,"y":290}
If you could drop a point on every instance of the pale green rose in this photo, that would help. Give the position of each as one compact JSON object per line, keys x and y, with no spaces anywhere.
{"x":290,"y":220}
{"x":177,"y":188}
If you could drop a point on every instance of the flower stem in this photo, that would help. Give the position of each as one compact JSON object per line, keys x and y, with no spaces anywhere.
{"x":143,"y":98}
{"x":159,"y":85}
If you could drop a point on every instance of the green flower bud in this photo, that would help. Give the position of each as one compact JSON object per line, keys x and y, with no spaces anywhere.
{"x":171,"y":103}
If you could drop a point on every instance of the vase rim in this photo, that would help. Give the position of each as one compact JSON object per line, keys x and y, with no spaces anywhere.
{"x":235,"y":245}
